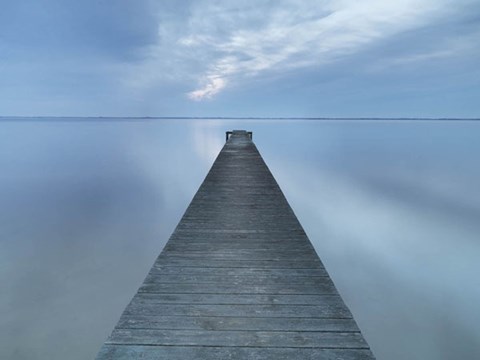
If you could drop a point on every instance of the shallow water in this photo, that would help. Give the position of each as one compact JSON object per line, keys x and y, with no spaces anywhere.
{"x":391,"y":207}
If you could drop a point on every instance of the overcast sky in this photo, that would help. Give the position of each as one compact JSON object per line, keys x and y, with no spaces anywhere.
{"x":250,"y":58}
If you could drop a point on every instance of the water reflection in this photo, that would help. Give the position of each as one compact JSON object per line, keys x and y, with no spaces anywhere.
{"x":391,"y":208}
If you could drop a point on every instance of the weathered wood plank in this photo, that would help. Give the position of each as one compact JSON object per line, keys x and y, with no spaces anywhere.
{"x":235,"y":323}
{"x":217,"y":263}
{"x":267,"y":288}
{"x":251,"y":246}
{"x":138,"y":352}
{"x":257,"y":299}
{"x":236,"y":271}
{"x":157,"y":278}
{"x":294,"y":339}
{"x":240,"y":255}
{"x":245,"y":310}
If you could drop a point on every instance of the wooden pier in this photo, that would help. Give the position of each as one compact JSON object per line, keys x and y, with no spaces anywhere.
{"x":238,"y":279}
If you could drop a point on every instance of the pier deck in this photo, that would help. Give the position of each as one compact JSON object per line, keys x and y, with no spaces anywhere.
{"x":238,"y":279}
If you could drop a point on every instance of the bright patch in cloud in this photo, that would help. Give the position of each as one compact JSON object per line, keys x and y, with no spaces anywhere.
{"x":213,"y":86}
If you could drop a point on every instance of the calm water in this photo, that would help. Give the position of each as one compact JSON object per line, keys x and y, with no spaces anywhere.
{"x":393,"y":209}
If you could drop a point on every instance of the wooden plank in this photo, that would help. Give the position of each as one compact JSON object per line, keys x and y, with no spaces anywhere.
{"x":156,"y":278}
{"x":267,"y":288}
{"x":138,"y":352}
{"x":238,"y":231}
{"x":218,"y":263}
{"x":272,"y":233}
{"x":294,"y":339}
{"x":235,"y":271}
{"x":259,"y":246}
{"x":241,"y":255}
{"x":238,"y":279}
{"x":258,"y":299}
{"x":235,"y":323}
{"x":237,"y":310}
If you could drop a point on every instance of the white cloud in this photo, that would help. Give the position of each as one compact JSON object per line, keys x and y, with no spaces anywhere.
{"x":245,"y":41}
{"x":220,"y":44}
{"x":213,"y":85}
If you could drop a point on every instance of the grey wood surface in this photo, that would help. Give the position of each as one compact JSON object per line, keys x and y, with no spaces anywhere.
{"x":238,"y":279}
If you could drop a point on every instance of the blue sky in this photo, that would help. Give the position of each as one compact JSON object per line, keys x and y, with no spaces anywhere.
{"x":251,"y":58}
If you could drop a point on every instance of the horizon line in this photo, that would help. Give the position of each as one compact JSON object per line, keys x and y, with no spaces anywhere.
{"x":126,"y":118}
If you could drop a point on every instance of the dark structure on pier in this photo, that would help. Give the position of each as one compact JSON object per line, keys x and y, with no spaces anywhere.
{"x":238,"y":279}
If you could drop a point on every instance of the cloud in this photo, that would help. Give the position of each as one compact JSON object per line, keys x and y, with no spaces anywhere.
{"x":213,"y":86}
{"x":83,"y":58}
{"x":246,"y":41}
{"x":78,"y":28}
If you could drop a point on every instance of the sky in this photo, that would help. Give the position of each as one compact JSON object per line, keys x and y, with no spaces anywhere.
{"x":282,"y":58}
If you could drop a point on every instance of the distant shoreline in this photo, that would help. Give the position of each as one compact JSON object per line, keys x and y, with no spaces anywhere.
{"x":137,"y":118}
